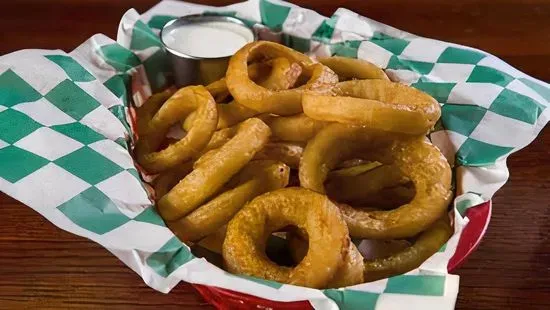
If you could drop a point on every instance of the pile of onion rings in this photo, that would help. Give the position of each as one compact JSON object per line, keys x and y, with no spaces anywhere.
{"x":310,"y":154}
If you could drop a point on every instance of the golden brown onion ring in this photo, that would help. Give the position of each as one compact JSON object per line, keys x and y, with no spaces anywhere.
{"x":164,"y":182}
{"x":220,"y":137}
{"x":218,"y":90}
{"x":284,"y":102}
{"x":296,"y":128}
{"x":257,"y":72}
{"x":146,"y":111}
{"x":354,"y":188}
{"x":209,"y":176}
{"x":282,"y":75}
{"x":183,"y":102}
{"x":351,"y":68}
{"x":286,"y":152}
{"x":333,"y":144}
{"x":244,"y":245}
{"x":425,"y":245}
{"x":377,"y":104}
{"x":387,"y":198}
{"x":214,"y":242}
{"x":351,"y":270}
{"x":256,"y":178}
{"x":375,"y":249}
{"x":415,"y":158}
{"x":291,"y":131}
{"x":372,"y":185}
{"x":350,"y":163}
{"x":353,"y":167}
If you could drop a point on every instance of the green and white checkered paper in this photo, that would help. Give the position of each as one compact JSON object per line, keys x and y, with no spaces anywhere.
{"x":65,"y":132}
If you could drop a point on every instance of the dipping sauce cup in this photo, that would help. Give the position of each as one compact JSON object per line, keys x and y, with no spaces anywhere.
{"x":200,"y":46}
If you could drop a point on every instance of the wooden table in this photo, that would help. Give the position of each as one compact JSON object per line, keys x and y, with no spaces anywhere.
{"x":42,"y":266}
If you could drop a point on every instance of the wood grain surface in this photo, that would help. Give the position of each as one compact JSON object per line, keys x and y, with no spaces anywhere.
{"x":42,"y":266}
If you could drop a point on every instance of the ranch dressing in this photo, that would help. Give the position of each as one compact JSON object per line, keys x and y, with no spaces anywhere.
{"x":211,"y":39}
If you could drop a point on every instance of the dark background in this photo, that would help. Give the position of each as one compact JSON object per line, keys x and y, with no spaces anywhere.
{"x":42,"y":266}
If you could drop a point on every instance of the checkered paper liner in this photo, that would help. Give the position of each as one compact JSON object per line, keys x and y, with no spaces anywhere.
{"x":65,"y":134}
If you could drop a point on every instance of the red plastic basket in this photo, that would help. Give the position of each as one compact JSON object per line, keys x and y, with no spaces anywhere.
{"x":472,"y":234}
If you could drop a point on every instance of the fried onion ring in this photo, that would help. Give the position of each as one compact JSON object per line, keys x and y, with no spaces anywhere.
{"x":214,"y":242}
{"x":415,"y":158}
{"x":283,"y":76}
{"x":377,"y":104}
{"x":286,"y":152}
{"x":295,"y":128}
{"x":401,"y":256}
{"x":148,"y":109}
{"x":370,"y":185}
{"x":166,"y":180}
{"x":353,"y":167}
{"x":288,"y":133}
{"x":220,"y":137}
{"x":256,"y":178}
{"x":283,"y":102}
{"x":218,"y":90}
{"x":356,"y":162}
{"x":276,"y":74}
{"x":351,"y":68}
{"x":244,"y":245}
{"x":425,"y":245}
{"x":356,"y":188}
{"x":210,"y":175}
{"x":183,"y":102}
{"x":351,"y":270}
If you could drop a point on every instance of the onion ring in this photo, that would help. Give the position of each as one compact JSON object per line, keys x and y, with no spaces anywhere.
{"x":208,"y":177}
{"x":351,"y":270}
{"x":256,"y":178}
{"x":183,"y":102}
{"x":373,"y":249}
{"x":402,"y":260}
{"x":166,"y":180}
{"x":356,"y":162}
{"x":214,"y":242}
{"x":283,"y":75}
{"x":377,"y":104}
{"x":331,"y":145}
{"x":386,"y":199}
{"x":286,"y":152}
{"x":257,"y":72}
{"x":288,"y":134}
{"x":370,"y":185}
{"x":417,"y":159}
{"x":295,"y":128}
{"x":352,"y":68}
{"x":220,"y":137}
{"x":425,"y":245}
{"x":353,"y":167}
{"x":148,"y":109}
{"x":284,"y":102}
{"x":355,"y":188}
{"x":244,"y":245}
{"x":218,"y":90}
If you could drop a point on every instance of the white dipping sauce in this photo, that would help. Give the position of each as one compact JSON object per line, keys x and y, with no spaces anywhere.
{"x":208,"y":39}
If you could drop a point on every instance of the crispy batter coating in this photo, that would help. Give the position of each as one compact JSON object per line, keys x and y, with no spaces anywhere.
{"x":244,"y":245}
